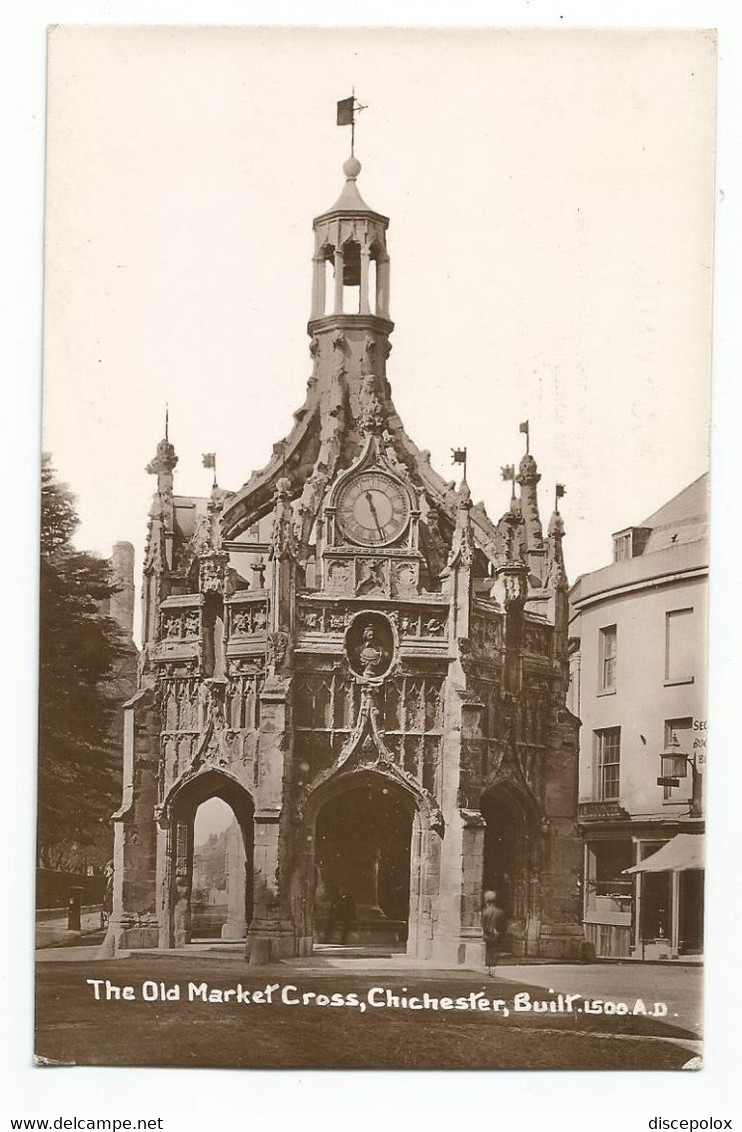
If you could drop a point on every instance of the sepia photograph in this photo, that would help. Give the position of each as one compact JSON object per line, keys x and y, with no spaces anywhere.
{"x":374,"y":548}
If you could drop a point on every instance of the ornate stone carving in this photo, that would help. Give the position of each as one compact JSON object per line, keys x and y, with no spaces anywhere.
{"x":486,"y":634}
{"x":311,"y":620}
{"x":371,"y":417}
{"x":465,"y":658}
{"x":437,"y":546}
{"x":250,"y":619}
{"x":172,"y":626}
{"x":283,"y":540}
{"x":191,"y":623}
{"x":212,"y":572}
{"x":163,"y":465}
{"x":276,"y":648}
{"x":245,"y":666}
{"x":405,"y":579}
{"x":512,"y":586}
{"x":369,"y":645}
{"x":366,"y":750}
{"x":411,"y":622}
{"x":371,"y":577}
{"x":339,"y":575}
{"x":408,"y":625}
{"x":536,"y":639}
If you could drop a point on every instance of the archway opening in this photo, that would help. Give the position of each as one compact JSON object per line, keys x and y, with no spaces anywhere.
{"x":507,"y":864}
{"x":218,"y":904}
{"x":362,"y":867}
{"x":211,"y":853}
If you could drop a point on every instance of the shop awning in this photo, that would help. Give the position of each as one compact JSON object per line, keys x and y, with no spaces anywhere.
{"x":685,"y":851}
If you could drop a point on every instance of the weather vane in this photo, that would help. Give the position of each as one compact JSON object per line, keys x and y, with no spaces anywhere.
{"x":458,"y":456}
{"x":208,"y":460}
{"x":347,"y":110}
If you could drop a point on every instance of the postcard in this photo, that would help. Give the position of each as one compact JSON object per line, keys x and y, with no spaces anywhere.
{"x":375,"y":548}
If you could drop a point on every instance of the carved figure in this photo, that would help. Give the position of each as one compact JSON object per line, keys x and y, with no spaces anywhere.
{"x":372,"y":580}
{"x":370,"y":655}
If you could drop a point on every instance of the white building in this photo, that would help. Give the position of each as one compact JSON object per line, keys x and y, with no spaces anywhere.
{"x":638,"y":683}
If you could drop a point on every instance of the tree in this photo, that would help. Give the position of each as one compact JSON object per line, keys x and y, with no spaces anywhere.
{"x":79,"y":649}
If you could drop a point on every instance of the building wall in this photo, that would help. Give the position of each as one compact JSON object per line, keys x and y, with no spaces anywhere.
{"x":627,"y":674}
{"x":643,"y":699}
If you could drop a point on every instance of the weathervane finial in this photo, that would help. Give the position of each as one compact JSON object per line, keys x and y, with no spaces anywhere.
{"x":346,"y":116}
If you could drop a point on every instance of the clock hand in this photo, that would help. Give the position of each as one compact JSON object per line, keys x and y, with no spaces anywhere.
{"x":372,"y":509}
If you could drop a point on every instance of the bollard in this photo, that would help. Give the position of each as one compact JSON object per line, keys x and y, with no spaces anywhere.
{"x":74,"y":908}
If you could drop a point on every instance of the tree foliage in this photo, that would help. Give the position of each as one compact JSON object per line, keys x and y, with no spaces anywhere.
{"x":79,"y":650}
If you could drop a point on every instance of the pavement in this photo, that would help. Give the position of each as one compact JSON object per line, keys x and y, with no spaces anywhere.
{"x":680,"y":987}
{"x":55,"y":933}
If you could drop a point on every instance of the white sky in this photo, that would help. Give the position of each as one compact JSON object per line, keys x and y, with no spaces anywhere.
{"x":212,"y":816}
{"x":551,"y":204}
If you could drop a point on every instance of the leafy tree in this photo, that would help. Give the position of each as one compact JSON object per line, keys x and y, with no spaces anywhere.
{"x":80,"y":649}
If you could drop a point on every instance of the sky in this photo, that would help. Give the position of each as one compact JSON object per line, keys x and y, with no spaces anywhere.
{"x":551,"y":200}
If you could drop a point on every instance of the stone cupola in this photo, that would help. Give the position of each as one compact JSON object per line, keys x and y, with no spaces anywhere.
{"x":351,"y":265}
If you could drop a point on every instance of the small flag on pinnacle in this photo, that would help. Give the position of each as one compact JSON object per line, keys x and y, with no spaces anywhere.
{"x":561,"y":491}
{"x":524,"y":427}
{"x":458,"y":455}
{"x":508,"y":472}
{"x":208,"y":459}
{"x":346,"y":110}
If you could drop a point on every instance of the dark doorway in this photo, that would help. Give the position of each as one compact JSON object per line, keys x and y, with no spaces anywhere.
{"x":362,"y":858}
{"x":691,"y":912}
{"x":506,"y":866}
{"x":656,"y":904}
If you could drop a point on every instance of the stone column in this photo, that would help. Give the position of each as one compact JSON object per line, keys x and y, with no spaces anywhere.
{"x":561,"y":933}
{"x":382,"y":287}
{"x":318,"y":286}
{"x":133,"y":921}
{"x":164,"y":875}
{"x":364,"y":304}
{"x":235,"y":926}
{"x":271,"y":934}
{"x":338,"y":281}
{"x":425,"y":867}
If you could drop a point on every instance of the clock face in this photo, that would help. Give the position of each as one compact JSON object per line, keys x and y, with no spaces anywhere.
{"x":373,"y":509}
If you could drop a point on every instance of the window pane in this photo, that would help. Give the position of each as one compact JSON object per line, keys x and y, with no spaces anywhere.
{"x":679,"y":645}
{"x":608,"y":745}
{"x":608,"y":655}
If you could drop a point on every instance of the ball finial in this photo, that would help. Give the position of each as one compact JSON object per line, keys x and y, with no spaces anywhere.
{"x":352,"y":168}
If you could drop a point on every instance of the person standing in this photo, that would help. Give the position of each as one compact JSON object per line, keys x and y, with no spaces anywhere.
{"x":493,"y":928}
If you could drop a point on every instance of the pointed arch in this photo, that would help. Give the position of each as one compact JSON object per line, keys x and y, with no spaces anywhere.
{"x":364,"y":817}
{"x":510,"y":865}
{"x":177,"y":817}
